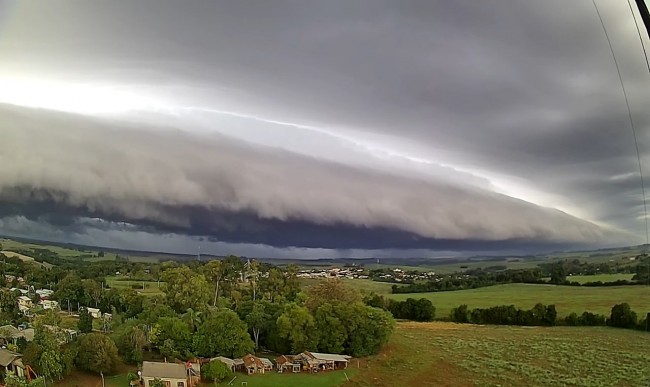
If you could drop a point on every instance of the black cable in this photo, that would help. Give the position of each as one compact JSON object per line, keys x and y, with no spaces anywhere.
{"x":638,"y":31}
{"x":629,"y":114}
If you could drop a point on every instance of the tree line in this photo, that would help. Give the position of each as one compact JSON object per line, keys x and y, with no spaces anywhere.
{"x":621,"y":316}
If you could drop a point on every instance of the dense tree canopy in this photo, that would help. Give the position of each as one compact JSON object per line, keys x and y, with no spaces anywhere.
{"x":97,"y":353}
{"x":185,"y":289}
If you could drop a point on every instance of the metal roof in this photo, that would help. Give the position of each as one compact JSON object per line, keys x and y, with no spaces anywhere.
{"x":6,"y":357}
{"x":330,"y":357}
{"x":152,"y":369}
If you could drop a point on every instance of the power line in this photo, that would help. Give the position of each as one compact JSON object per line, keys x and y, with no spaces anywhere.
{"x":638,"y":31}
{"x":629,"y":114}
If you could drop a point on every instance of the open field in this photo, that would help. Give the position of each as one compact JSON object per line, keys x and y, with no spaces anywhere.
{"x":567,"y":299}
{"x":71,"y":253}
{"x":447,"y":354}
{"x":150,"y":287}
{"x":26,"y":258}
{"x":600,"y":277}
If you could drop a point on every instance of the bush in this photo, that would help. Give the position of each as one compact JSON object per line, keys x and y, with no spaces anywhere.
{"x":412,"y":309}
{"x":622,"y":316}
{"x":215,"y":371}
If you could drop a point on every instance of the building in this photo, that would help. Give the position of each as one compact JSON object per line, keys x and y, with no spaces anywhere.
{"x":96,"y":313}
{"x":11,"y":362}
{"x":25,"y":303}
{"x":11,"y":334}
{"x":171,"y":374}
{"x":49,"y":304}
{"x":315,"y":361}
{"x":256,"y":365}
{"x":233,"y":364}
{"x":287,"y":363}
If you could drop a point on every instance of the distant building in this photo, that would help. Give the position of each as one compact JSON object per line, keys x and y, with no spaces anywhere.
{"x":25,"y":303}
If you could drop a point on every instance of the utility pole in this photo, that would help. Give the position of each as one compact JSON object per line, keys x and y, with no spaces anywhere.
{"x":645,"y":15}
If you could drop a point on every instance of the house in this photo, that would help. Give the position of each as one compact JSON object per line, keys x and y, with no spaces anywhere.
{"x":233,"y":364}
{"x":316,"y":361}
{"x":286,"y":363}
{"x":25,"y":303}
{"x":171,"y":374}
{"x":49,"y":304}
{"x":256,"y":365}
{"x":11,"y":362}
{"x":96,"y":313}
{"x":11,"y":334}
{"x":44,"y":294}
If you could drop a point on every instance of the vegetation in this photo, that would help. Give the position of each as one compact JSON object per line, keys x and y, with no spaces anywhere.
{"x":215,"y":371}
{"x":567,"y":299}
{"x":447,"y":354}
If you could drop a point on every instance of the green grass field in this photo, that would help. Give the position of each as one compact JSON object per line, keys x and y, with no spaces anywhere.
{"x":446,"y":354}
{"x":600,"y":277}
{"x":567,"y":299}
{"x":150,"y":287}
{"x":273,"y":379}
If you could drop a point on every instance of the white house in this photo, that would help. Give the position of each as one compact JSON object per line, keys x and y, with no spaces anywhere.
{"x":96,"y":313}
{"x":49,"y":304}
{"x":25,"y":303}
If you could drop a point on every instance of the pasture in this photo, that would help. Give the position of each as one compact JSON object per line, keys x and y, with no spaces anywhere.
{"x":600,"y":277}
{"x":147,"y":288}
{"x":567,"y":299}
{"x":447,"y":354}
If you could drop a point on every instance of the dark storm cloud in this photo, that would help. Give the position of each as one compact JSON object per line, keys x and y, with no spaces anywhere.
{"x":207,"y":185}
{"x":521,"y":89}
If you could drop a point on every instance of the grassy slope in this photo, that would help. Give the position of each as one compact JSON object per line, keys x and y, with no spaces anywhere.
{"x":446,"y":354}
{"x":567,"y":299}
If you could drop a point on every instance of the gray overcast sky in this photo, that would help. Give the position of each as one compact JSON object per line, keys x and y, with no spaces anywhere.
{"x":321,"y":128}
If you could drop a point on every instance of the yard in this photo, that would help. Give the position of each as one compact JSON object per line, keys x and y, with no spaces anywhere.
{"x":273,"y":379}
{"x":567,"y":299}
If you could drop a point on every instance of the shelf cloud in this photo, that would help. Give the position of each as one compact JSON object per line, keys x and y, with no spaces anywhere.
{"x":321,"y":129}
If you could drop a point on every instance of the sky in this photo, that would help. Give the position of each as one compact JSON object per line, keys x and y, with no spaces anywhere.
{"x":306,"y":129}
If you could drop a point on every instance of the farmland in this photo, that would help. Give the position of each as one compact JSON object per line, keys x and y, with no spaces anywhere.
{"x":446,"y":354}
{"x":566,"y":298}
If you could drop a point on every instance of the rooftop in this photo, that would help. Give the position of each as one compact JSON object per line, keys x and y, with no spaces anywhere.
{"x":152,"y":369}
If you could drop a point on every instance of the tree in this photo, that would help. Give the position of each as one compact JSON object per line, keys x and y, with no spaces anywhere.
{"x":332,"y":292}
{"x":558,"y":273}
{"x":185,"y":289}
{"x":97,"y":353}
{"x":215,"y":371}
{"x":85,"y":323}
{"x":215,"y":271}
{"x":331,"y":330}
{"x":460,"y":314}
{"x":69,"y":289}
{"x":256,"y":320}
{"x":223,"y":333}
{"x":50,"y":365}
{"x":297,"y":326}
{"x":368,"y":331}
{"x":622,"y":316}
{"x":174,"y":337}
